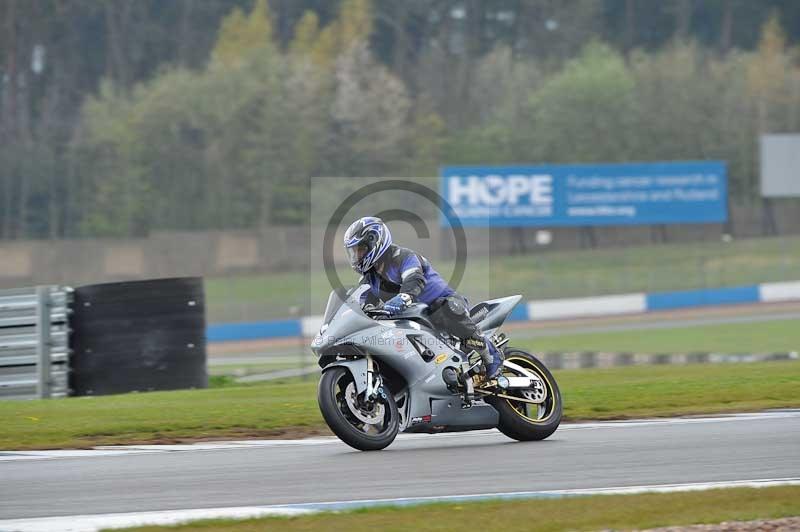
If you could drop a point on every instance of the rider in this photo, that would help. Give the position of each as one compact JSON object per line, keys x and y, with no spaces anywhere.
{"x":400,"y":276}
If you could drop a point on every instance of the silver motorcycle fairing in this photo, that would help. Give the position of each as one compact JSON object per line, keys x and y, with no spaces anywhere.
{"x":388,"y":343}
{"x":497,"y":310}
{"x":357,"y":368}
{"x":342,"y":318}
{"x":426,"y":404}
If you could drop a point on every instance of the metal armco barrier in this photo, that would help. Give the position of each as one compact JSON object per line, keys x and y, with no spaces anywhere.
{"x":34,"y":342}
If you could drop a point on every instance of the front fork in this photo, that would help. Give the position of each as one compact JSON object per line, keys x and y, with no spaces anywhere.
{"x":374,"y":381}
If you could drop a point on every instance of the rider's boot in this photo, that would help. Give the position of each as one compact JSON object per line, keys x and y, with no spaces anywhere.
{"x":495,"y":364}
{"x":491,"y":357}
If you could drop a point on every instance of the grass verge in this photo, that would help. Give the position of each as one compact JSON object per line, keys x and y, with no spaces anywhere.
{"x":757,"y":337}
{"x":289,"y":408}
{"x":618,"y":512}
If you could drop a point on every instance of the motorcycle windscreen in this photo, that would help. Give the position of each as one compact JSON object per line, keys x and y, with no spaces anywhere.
{"x":352,"y":297}
{"x":334,"y":303}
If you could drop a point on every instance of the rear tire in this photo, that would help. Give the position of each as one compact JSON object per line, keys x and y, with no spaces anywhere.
{"x":524,"y":426}
{"x":343,"y":422}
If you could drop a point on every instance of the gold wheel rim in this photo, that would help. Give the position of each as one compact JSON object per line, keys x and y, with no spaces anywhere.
{"x":513,"y":404}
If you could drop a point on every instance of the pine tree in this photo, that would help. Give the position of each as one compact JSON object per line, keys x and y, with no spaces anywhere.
{"x":352,"y":26}
{"x":240,"y":34}
{"x":306,"y":34}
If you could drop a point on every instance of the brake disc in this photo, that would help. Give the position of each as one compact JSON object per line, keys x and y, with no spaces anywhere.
{"x":370,"y":417}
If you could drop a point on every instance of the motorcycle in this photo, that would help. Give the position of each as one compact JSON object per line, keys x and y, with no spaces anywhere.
{"x":383,"y":374}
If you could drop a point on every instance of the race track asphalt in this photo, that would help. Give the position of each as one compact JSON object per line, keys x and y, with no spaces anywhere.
{"x":724,"y":448}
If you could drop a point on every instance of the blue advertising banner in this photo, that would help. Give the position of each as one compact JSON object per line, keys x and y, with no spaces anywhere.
{"x":597,"y":194}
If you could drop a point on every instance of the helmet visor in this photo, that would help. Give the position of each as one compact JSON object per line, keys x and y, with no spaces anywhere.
{"x":356,"y":253}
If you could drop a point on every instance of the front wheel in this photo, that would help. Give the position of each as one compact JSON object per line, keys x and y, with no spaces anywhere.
{"x":521,"y":419}
{"x":363,"y":425}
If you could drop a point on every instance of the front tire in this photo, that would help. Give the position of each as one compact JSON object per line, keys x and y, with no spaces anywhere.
{"x":355,"y":423}
{"x":524,"y":421}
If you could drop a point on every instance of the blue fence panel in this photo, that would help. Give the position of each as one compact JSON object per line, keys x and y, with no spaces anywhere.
{"x":227,"y":332}
{"x":699,"y":298}
{"x":520,"y":312}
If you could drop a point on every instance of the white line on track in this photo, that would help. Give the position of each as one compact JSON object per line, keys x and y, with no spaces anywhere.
{"x":93,"y":523}
{"x":117,"y":450}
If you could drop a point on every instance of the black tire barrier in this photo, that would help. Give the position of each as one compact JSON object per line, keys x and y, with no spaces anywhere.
{"x":138,"y":336}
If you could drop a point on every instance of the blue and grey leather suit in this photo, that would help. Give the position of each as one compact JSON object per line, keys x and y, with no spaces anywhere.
{"x":402,"y":270}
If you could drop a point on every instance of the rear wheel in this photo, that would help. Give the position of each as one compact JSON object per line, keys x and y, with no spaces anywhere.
{"x":363,"y":425}
{"x":520,"y":418}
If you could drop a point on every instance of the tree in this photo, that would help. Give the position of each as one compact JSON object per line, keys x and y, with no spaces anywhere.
{"x":769,"y":72}
{"x":370,"y":112}
{"x":305,"y":35}
{"x":772,"y":81}
{"x":240,"y":34}
{"x":353,"y":25}
{"x":212,"y":148}
{"x":583,"y":113}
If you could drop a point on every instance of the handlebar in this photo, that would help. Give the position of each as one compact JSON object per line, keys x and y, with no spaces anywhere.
{"x":373,"y":311}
